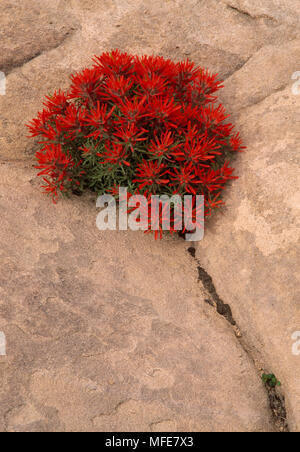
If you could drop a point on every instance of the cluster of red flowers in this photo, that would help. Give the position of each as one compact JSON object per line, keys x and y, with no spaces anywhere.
{"x":146,"y":123}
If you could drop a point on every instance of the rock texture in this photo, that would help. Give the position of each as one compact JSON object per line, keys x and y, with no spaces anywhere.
{"x":252,"y":250}
{"x":111,"y":331}
{"x":28,"y":29}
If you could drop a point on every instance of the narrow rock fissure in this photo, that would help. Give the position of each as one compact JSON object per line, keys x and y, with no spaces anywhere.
{"x":276,"y":400}
{"x":214,"y":300}
{"x":10,"y":66}
{"x":278,"y":409}
{"x":250,"y":16}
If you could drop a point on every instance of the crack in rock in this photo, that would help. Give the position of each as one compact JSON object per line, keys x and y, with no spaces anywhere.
{"x":251,"y":16}
{"x":222,"y":308}
{"x":278,"y":409}
{"x":10,"y":66}
{"x":276,"y":400}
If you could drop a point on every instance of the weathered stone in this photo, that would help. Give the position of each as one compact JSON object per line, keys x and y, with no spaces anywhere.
{"x":251,"y":251}
{"x":111,"y":331}
{"x":269,"y":70}
{"x":28,"y":29}
{"x":98,"y":339}
{"x":286,"y":11}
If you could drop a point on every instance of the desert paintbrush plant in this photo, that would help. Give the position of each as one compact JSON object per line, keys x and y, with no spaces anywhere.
{"x":145,"y":123}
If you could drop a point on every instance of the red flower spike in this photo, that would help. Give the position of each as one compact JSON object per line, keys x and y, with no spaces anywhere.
{"x":193,"y":213}
{"x":56,"y":165}
{"x":116,"y":88}
{"x":37,"y":126}
{"x":150,"y":174}
{"x":215,"y":180}
{"x":98,"y":119}
{"x":185,"y":178}
{"x":151,"y":85}
{"x":51,"y":133}
{"x":72,"y":121}
{"x":114,"y":154}
{"x":236,"y":143}
{"x":196,"y":151}
{"x":164,"y":111}
{"x":85,"y":85}
{"x":130,"y":135}
{"x":156,"y":215}
{"x":53,"y":161}
{"x":146,"y":66}
{"x":114,"y":190}
{"x":114,"y":63}
{"x":85,"y":150}
{"x":133,"y":110}
{"x":162,"y":146}
{"x":187,"y":73}
{"x":57,"y":103}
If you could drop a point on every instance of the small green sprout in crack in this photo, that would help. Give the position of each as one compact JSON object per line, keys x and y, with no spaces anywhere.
{"x":270,"y":380}
{"x":276,"y":401}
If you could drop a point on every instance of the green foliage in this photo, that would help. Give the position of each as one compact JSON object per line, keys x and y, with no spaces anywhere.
{"x":270,"y":380}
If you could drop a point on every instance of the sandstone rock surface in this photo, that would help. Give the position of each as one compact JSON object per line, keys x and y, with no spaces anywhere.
{"x":252,"y":249}
{"x":110,"y":331}
{"x":28,"y":29}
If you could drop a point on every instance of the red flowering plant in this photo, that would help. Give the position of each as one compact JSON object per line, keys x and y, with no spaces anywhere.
{"x":145,"y":123}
